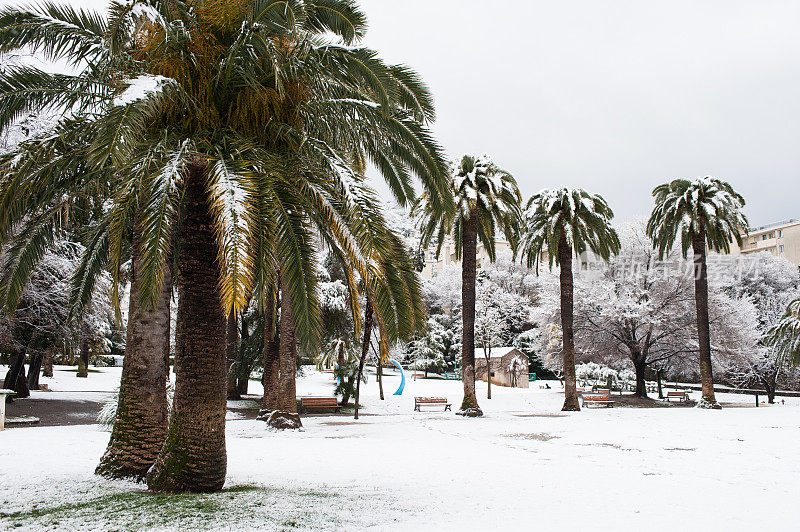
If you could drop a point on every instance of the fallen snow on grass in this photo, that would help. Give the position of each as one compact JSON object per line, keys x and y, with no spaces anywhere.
{"x":524,"y":464}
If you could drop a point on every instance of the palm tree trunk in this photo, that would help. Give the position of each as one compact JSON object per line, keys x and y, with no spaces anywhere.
{"x":231,"y":339}
{"x":243,"y":374}
{"x":193,"y":457}
{"x":469,"y":405}
{"x":287,"y":354}
{"x":703,"y":333}
{"x":140,"y":425}
{"x":364,"y":351}
{"x":271,"y":356}
{"x":83,"y":360}
{"x":568,"y":334}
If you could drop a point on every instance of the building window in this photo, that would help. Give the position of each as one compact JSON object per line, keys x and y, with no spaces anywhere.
{"x":780,"y":249}
{"x":772,"y":235}
{"x":780,"y":233}
{"x":763,"y":237}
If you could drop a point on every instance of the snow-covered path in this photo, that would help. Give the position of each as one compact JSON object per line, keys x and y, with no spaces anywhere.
{"x":523,"y":465}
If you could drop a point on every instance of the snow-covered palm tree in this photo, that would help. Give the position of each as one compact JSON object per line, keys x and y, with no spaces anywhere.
{"x":704,"y":213}
{"x":236,"y":133}
{"x":784,"y":337}
{"x":487,"y":201}
{"x":558,"y":223}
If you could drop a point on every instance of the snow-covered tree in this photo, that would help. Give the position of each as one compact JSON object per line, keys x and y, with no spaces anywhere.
{"x":771,"y":283}
{"x":641,"y":310}
{"x":42,"y":325}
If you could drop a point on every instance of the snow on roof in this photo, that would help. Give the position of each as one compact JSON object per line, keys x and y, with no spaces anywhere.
{"x":497,"y":352}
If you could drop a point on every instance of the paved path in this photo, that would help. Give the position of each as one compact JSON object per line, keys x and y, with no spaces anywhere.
{"x":60,"y":408}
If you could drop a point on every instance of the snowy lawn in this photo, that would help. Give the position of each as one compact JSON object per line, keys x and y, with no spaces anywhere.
{"x":524,"y":465}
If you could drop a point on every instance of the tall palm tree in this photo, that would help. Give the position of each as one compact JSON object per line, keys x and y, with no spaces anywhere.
{"x":487,"y":199}
{"x":706,"y":213}
{"x":558,"y":223}
{"x":251,"y":123}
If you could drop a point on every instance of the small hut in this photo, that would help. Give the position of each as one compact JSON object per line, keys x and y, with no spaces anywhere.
{"x":508,"y":367}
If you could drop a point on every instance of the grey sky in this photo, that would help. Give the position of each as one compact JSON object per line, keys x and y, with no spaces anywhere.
{"x":615,"y":96}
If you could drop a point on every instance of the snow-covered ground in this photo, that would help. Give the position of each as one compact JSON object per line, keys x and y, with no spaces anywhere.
{"x":524,"y":465}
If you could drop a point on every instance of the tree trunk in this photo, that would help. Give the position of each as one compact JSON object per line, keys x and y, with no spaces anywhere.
{"x":770,"y":385}
{"x":243,"y":375}
{"x":469,"y":405}
{"x":231,"y":351}
{"x":380,"y":378}
{"x":269,"y":379}
{"x":193,"y":457}
{"x":287,"y":354}
{"x":703,"y":333}
{"x":83,"y":360}
{"x":364,"y":351}
{"x":140,"y":425}
{"x":640,"y":366}
{"x":568,"y":335}
{"x":34,"y":369}
{"x":12,"y":378}
{"x":489,"y":374}
{"x":658,"y":381}
{"x":48,"y":363}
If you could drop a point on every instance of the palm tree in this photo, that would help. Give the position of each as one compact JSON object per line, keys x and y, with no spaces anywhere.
{"x":140,"y":424}
{"x":784,"y":336}
{"x":704,"y":212}
{"x":487,"y":199}
{"x":558,"y":223}
{"x":249,"y":122}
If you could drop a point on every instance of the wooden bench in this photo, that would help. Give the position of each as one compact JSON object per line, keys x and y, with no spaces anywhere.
{"x":681,"y":396}
{"x":431,"y":401}
{"x":319,"y":403}
{"x":601,"y":397}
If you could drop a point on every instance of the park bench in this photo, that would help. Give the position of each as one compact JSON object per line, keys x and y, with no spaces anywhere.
{"x":319,"y":403}
{"x":431,"y":401}
{"x":601,"y":397}
{"x":681,"y":396}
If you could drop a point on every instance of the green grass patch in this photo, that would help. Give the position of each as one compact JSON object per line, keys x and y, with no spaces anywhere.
{"x":237,"y":507}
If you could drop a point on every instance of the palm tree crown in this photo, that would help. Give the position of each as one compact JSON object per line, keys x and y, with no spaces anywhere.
{"x":480,"y":188}
{"x":275,"y":106}
{"x":582,"y":218}
{"x":688,"y":208}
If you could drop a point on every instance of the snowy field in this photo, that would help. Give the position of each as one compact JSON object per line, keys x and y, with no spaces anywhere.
{"x":525,"y":465}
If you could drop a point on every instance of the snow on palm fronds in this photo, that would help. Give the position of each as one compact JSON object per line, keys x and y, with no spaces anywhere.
{"x":687,"y":208}
{"x":141,"y":87}
{"x":784,"y":337}
{"x":108,"y":414}
{"x":582,"y":218}
{"x":480,"y":188}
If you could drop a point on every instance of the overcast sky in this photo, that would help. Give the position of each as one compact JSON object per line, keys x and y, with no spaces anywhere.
{"x":614,"y":96}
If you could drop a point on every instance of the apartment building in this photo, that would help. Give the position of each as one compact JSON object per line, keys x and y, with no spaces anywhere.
{"x":447,"y":257}
{"x":781,"y":239}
